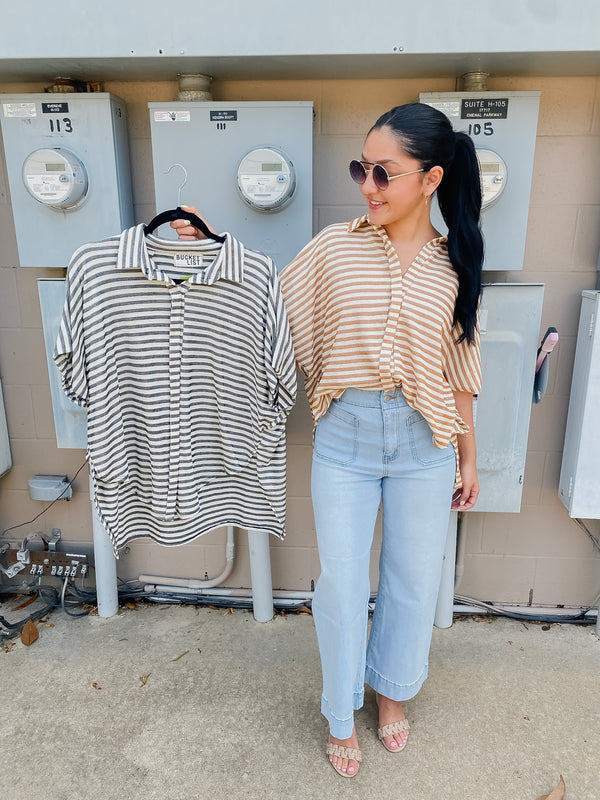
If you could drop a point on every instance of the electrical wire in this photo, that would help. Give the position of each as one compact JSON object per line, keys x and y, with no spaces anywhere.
{"x":588,"y":531}
{"x":575,"y":619}
{"x":43,"y":511}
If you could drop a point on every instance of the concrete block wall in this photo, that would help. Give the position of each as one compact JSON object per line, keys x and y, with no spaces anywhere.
{"x":539,"y":555}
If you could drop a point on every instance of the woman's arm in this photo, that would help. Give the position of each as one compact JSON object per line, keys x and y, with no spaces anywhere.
{"x":467,"y":454}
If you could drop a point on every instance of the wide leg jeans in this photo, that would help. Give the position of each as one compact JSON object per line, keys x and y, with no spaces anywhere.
{"x":372,"y":448}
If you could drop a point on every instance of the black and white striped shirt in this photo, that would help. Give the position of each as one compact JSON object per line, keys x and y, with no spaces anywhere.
{"x":181,"y":353}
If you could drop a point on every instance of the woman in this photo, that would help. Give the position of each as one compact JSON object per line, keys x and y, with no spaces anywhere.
{"x":383,"y":319}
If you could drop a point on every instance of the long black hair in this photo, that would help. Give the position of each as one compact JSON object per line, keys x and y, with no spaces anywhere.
{"x":426,"y":135}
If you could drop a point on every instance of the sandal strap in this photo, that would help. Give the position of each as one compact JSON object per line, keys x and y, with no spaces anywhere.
{"x":392,"y":728}
{"x":340,"y":751}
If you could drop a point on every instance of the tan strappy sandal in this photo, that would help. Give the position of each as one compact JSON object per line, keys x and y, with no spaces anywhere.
{"x":391,"y":729}
{"x":340,"y":751}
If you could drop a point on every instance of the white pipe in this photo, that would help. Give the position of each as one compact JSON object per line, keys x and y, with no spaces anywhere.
{"x":461,"y":547}
{"x":105,"y":565}
{"x":260,"y":575}
{"x":198,"y":583}
{"x":222,"y":593}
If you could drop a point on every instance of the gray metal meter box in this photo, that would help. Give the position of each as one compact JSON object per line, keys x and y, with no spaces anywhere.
{"x":579,"y":483}
{"x":503,"y":126}
{"x":246,"y":166}
{"x":510,"y":317}
{"x":67,"y":161}
{"x":70,"y":420}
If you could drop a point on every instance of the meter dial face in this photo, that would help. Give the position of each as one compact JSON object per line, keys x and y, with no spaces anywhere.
{"x":55,"y":177}
{"x":492,"y":169}
{"x":266,"y":179}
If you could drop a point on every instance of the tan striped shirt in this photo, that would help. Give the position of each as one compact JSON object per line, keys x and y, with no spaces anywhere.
{"x":357,"y":321}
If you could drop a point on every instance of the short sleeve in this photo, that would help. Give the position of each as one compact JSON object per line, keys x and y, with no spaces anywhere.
{"x":69,"y":351}
{"x":462,"y":366}
{"x":300,"y":288}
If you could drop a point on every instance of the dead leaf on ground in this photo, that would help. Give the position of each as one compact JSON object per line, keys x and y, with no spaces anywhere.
{"x":6,"y":648}
{"x":144,"y":678}
{"x":228,"y":611}
{"x":30,"y":633}
{"x":28,"y":602}
{"x":131,"y":604}
{"x":92,"y":610}
{"x":557,"y":793}
{"x":96,"y":685}
{"x":305,"y":611}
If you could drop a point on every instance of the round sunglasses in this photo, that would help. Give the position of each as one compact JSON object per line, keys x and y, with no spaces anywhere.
{"x":381,"y":179}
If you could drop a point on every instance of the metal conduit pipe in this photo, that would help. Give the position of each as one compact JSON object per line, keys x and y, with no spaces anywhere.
{"x":292,"y":598}
{"x":195,"y":584}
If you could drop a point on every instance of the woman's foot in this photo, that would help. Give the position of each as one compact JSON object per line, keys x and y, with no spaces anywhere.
{"x":393,"y":727}
{"x":344,"y":755}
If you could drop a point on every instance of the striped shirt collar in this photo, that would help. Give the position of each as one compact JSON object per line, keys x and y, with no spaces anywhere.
{"x":227,"y":265}
{"x":364,"y":221}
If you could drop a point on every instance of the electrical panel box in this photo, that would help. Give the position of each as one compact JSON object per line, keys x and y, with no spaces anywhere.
{"x":67,"y":161}
{"x":579,"y":483}
{"x":510,"y":318}
{"x":246,"y":166}
{"x":503,"y":127}
{"x":5,"y":456}
{"x":70,"y":420}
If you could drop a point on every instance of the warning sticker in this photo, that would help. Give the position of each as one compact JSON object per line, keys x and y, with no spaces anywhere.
{"x":450,"y":108}
{"x":172,"y":116}
{"x":484,"y":108}
{"x":19,"y":109}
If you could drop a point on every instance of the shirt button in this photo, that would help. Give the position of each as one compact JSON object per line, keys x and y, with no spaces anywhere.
{"x":387,"y":397}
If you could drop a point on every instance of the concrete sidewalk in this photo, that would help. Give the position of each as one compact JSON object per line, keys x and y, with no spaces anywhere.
{"x":177,"y":702}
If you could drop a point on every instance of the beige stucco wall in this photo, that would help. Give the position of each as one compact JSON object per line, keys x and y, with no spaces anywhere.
{"x":538,"y":555}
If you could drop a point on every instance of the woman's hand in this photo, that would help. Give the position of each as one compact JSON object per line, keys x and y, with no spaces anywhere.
{"x":466,"y":497}
{"x":185,"y":230}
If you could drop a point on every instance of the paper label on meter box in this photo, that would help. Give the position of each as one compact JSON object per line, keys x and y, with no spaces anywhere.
{"x":19,"y":109}
{"x":172,"y":116}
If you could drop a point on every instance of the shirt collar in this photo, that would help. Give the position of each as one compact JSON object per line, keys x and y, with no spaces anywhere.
{"x":358,"y":223}
{"x":228,"y":263}
{"x":363,"y":221}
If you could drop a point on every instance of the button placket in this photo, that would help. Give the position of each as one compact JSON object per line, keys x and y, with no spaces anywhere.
{"x":177,"y":295}
{"x":386,"y":358}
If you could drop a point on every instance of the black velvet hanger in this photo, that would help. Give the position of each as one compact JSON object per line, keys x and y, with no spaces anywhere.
{"x":179,"y":213}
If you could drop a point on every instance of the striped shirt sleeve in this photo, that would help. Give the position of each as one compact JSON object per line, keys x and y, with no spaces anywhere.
{"x":463,"y":362}
{"x":69,"y":351}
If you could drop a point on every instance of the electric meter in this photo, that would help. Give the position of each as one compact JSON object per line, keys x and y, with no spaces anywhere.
{"x":492,"y":168}
{"x":55,"y":177}
{"x":266,"y":179}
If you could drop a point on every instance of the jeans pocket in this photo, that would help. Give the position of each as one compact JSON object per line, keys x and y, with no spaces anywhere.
{"x":336,"y":436}
{"x":422,"y":447}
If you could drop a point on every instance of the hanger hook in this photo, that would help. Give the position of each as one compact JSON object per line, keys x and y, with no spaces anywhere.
{"x":185,"y":177}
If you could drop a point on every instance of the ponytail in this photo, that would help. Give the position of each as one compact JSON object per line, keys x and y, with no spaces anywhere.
{"x":427,"y":135}
{"x":459,"y":198}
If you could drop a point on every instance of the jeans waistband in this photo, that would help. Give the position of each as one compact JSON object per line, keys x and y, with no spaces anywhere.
{"x":372,"y":398}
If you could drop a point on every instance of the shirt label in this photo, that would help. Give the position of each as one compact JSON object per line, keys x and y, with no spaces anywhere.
{"x":187,"y":260}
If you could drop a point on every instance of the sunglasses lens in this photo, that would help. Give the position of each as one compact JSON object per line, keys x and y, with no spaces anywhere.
{"x":380,"y":177}
{"x":357,"y":172}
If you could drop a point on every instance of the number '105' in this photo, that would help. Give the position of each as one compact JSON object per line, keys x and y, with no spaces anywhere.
{"x":476,"y":129}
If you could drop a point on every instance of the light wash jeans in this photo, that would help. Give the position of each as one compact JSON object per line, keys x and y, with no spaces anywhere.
{"x":372,"y":447}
